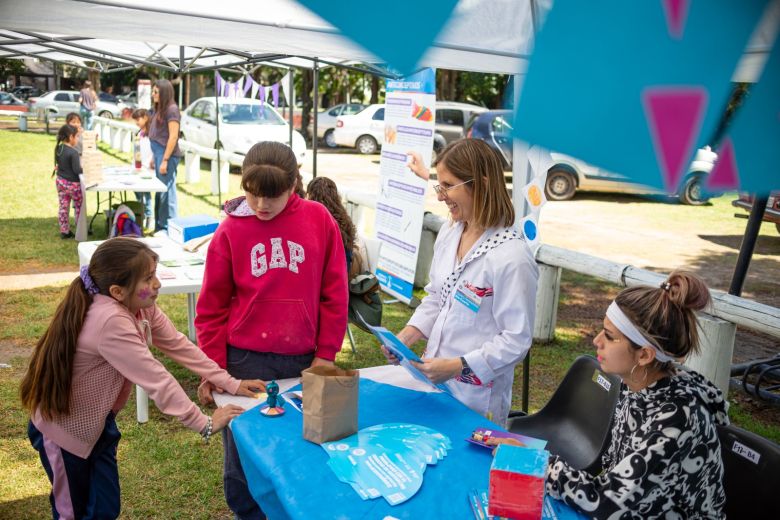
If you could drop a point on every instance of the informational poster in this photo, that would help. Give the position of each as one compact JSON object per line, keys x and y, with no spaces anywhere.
{"x":144,"y":93}
{"x":410,"y":105}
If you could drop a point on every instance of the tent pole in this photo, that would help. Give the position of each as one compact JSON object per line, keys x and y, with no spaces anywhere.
{"x":291,"y":103}
{"x":219,"y":163}
{"x":316,"y":104}
{"x":748,"y":243}
{"x":181,"y":75}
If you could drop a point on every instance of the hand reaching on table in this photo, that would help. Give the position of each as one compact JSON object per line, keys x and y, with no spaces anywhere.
{"x":204,"y":392}
{"x":251,"y":387}
{"x":439,"y":370}
{"x":319,"y":362}
{"x":222,"y":416}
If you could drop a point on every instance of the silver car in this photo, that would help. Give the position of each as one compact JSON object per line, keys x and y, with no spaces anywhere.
{"x":326,"y":121}
{"x":61,"y":102}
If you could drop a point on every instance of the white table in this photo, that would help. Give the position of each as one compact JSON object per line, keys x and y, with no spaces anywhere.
{"x":122,"y":179}
{"x":187,"y":280}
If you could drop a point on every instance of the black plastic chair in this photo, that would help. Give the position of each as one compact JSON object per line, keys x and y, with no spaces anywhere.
{"x":751,"y":466}
{"x":577,"y":420}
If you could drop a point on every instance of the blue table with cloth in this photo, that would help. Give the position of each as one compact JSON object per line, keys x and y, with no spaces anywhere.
{"x":289,"y":477}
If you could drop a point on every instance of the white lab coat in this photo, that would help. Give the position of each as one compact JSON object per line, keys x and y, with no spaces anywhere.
{"x":498,"y":335}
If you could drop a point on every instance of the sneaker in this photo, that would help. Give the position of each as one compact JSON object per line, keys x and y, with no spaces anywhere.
{"x":69,"y":234}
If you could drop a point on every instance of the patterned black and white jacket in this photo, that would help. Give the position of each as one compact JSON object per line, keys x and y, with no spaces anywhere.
{"x":663,"y":460}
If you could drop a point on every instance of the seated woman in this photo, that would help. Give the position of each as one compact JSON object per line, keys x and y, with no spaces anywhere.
{"x":324,"y":191}
{"x":664,"y":458}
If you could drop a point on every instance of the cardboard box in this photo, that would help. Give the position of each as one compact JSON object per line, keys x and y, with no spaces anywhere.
{"x":516,"y":487}
{"x":183,"y":229}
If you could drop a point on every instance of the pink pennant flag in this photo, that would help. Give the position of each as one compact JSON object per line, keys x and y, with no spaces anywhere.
{"x":676,"y":12}
{"x":725,"y":174}
{"x":674,"y":115}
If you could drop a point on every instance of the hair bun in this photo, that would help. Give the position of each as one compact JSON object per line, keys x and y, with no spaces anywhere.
{"x":687,"y":290}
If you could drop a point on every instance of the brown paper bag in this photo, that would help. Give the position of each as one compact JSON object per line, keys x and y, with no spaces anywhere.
{"x":330,"y":403}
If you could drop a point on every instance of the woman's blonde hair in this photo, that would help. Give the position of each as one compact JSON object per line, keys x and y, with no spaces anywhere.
{"x":473,"y":160}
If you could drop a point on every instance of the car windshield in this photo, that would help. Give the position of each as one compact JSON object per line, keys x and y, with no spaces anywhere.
{"x":236,"y":114}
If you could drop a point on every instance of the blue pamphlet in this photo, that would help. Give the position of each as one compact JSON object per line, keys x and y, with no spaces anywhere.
{"x":391,"y":342}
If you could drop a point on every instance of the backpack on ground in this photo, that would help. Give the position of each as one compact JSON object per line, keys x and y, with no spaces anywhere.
{"x":124,"y":224}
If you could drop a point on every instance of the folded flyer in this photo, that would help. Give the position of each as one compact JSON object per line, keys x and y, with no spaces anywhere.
{"x":391,"y":342}
{"x":480,"y":437}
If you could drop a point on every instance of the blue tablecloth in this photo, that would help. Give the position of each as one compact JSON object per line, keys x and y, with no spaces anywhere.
{"x":289,"y":478}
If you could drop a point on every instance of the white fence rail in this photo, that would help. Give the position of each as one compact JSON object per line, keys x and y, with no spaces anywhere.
{"x":718,"y":325}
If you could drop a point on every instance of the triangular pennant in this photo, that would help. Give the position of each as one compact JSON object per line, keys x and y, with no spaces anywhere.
{"x":674,"y":115}
{"x":275,"y":93}
{"x":218,"y":83}
{"x":403,"y":33}
{"x":676,"y":12}
{"x":261,"y":91}
{"x":255,"y":87}
{"x":248,"y":83}
{"x":725,"y":174}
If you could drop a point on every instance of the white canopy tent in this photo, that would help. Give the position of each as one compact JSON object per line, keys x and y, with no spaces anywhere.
{"x":481,"y":35}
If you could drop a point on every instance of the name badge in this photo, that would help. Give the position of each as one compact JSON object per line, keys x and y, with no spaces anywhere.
{"x":470,"y":296}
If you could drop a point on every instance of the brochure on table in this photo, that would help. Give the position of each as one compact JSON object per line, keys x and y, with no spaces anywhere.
{"x":405,"y":355}
{"x":410,"y":105}
{"x":387,"y":460}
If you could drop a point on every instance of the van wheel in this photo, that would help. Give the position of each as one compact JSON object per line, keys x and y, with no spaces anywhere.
{"x":692,"y":192}
{"x":106,"y":114}
{"x":560,"y":185}
{"x":366,"y":145}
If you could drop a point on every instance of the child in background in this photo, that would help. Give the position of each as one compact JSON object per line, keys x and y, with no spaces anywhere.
{"x":82,"y":370}
{"x":324,"y":191}
{"x":67,"y":167}
{"x":274,"y":296}
{"x":74,"y":119}
{"x":141,"y":117}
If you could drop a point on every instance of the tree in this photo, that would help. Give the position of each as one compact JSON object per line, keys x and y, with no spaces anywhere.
{"x":10,"y":68}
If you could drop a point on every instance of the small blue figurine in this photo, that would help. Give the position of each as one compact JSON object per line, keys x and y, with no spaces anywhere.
{"x":274,"y":404}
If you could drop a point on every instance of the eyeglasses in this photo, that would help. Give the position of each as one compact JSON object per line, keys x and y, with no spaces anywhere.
{"x":441,"y":190}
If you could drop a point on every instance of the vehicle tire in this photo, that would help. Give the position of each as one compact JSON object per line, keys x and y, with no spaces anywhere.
{"x":366,"y":145}
{"x":330,"y":139}
{"x":692,"y":191}
{"x":106,"y":114}
{"x":560,"y":185}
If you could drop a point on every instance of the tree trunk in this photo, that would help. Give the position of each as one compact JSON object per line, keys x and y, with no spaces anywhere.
{"x":374,"y":89}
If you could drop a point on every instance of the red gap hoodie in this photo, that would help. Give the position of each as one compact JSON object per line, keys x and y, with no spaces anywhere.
{"x":274,"y":286}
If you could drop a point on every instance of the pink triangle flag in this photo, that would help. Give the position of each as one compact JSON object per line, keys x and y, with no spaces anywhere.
{"x":676,"y":12}
{"x":674,"y":115}
{"x":725,"y":174}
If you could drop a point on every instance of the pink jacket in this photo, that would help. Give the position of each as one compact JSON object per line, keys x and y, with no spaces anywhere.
{"x":111,"y":355}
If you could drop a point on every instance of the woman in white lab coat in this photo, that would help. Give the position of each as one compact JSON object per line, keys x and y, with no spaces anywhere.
{"x":479,"y":312}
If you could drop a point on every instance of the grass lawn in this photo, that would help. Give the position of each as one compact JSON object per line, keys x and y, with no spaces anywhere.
{"x":165,"y":470}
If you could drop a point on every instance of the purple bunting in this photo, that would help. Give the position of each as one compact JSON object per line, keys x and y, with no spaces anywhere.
{"x":248,"y":82}
{"x":261,"y":93}
{"x":275,"y":91}
{"x":219,"y":82}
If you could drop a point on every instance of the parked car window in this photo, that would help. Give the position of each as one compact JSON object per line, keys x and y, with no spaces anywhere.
{"x":379,"y":115}
{"x":62,"y":96}
{"x":335,"y":111}
{"x":449,"y":117}
{"x":501,"y":126}
{"x":352,"y":108}
{"x":209,"y":113}
{"x":197,"y":110}
{"x":240,"y":114}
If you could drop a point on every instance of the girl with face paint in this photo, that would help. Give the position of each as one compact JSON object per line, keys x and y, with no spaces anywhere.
{"x":81,"y":371}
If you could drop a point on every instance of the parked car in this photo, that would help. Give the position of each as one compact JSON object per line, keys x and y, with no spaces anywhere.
{"x":108,"y":98}
{"x":10,"y":102}
{"x":242,"y":123}
{"x":772,"y":212}
{"x":64,"y":101}
{"x":130,"y":99}
{"x":569,"y":175}
{"x":365,"y":130}
{"x":326,"y":120}
{"x":26,"y":91}
{"x":451,"y":120}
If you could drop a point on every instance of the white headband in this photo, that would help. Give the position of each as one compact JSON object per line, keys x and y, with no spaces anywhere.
{"x":629,"y":330}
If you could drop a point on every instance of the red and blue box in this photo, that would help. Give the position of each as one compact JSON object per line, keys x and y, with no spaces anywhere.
{"x":516,"y":488}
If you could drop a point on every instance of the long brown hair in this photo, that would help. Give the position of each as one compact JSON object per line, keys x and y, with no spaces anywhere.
{"x":474,"y":160}
{"x":269,"y":169}
{"x":666,"y":314}
{"x":165,"y":98}
{"x":46,"y":385}
{"x":324,"y":191}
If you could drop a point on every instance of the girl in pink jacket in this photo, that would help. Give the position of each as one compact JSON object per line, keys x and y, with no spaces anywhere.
{"x":83,"y":368}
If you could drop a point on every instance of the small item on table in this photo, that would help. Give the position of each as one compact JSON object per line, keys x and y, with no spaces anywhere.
{"x":274,"y":404}
{"x":480,"y":437}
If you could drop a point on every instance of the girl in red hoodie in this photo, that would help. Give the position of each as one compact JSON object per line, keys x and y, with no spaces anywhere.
{"x":274,"y":297}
